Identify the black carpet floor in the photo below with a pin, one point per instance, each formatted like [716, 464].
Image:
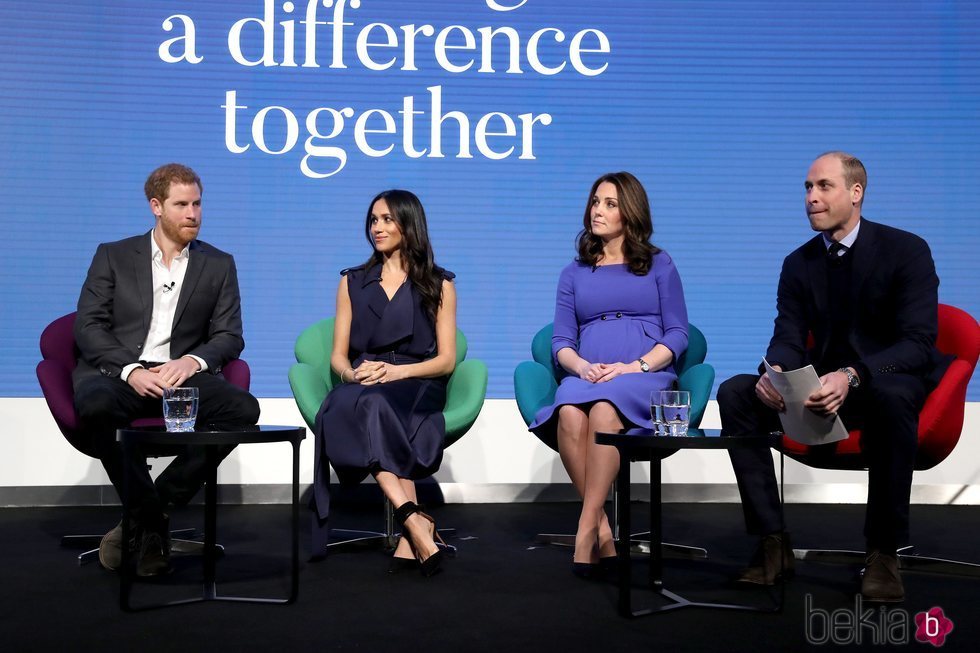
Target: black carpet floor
[501, 593]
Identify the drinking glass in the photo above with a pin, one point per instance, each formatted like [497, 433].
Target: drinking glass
[657, 414]
[674, 412]
[180, 408]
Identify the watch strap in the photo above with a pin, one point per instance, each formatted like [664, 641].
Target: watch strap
[852, 379]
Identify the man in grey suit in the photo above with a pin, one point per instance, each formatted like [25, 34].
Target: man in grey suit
[158, 310]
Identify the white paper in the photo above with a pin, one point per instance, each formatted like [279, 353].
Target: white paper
[799, 422]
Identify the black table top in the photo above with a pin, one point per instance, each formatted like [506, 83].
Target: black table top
[245, 435]
[695, 439]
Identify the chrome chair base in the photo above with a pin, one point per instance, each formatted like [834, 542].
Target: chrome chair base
[344, 539]
[637, 545]
[91, 544]
[908, 560]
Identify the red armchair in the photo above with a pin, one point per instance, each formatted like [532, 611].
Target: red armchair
[59, 356]
[940, 425]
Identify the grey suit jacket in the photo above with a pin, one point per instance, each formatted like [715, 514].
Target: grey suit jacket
[116, 304]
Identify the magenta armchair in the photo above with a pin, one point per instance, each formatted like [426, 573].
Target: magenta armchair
[58, 358]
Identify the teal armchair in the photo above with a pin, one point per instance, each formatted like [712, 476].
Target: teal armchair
[311, 379]
[536, 381]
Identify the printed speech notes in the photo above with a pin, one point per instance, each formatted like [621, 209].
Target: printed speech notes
[799, 422]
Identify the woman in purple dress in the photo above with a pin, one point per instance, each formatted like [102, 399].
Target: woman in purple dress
[620, 323]
[394, 347]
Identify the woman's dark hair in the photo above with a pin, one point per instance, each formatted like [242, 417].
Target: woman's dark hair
[634, 209]
[407, 212]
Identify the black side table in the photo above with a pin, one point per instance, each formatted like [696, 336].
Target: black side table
[644, 444]
[130, 437]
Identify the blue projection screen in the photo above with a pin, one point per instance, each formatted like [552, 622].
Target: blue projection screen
[499, 114]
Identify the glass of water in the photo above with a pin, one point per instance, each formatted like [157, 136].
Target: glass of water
[657, 413]
[180, 409]
[674, 412]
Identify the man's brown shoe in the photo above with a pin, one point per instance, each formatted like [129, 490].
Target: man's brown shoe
[154, 553]
[110, 548]
[772, 561]
[882, 583]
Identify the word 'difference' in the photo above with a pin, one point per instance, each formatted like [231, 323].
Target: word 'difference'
[269, 41]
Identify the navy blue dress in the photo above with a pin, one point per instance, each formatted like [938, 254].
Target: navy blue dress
[396, 427]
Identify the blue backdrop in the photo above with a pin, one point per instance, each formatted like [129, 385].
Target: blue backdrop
[718, 107]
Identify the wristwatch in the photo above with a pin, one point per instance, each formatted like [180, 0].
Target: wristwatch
[643, 365]
[852, 379]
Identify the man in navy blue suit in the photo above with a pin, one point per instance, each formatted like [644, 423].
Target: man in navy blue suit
[868, 295]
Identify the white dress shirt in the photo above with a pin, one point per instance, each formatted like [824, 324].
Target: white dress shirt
[847, 241]
[167, 283]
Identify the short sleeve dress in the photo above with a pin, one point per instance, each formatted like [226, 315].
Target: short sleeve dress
[608, 314]
[398, 426]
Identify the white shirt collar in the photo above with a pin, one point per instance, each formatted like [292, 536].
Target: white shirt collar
[847, 241]
[156, 254]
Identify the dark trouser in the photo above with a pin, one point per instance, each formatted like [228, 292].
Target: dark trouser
[886, 409]
[105, 404]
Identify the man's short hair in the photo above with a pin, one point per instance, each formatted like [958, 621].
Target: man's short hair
[854, 172]
[158, 183]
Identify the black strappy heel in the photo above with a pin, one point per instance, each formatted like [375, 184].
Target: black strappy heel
[430, 565]
[398, 565]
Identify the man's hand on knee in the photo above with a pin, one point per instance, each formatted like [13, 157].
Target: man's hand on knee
[173, 373]
[146, 383]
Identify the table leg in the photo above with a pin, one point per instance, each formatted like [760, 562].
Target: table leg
[210, 524]
[294, 593]
[656, 527]
[782, 512]
[125, 563]
[623, 543]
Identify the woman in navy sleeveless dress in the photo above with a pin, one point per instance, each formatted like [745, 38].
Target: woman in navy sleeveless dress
[394, 348]
[620, 323]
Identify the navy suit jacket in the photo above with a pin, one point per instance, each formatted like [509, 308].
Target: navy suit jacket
[116, 304]
[894, 302]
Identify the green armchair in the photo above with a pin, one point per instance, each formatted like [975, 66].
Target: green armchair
[535, 384]
[311, 379]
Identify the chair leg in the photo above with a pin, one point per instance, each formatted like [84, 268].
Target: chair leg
[555, 539]
[926, 564]
[91, 544]
[637, 542]
[907, 560]
[88, 542]
[637, 545]
[640, 543]
[346, 539]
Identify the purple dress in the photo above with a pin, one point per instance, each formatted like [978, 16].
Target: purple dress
[609, 315]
